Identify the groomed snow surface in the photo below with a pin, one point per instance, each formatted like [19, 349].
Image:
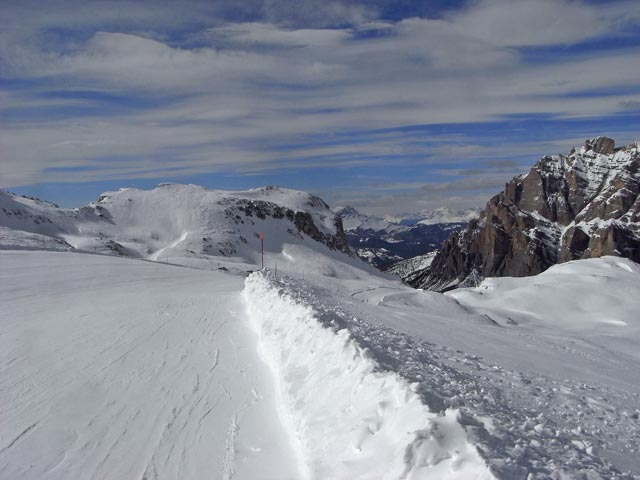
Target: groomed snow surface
[116, 368]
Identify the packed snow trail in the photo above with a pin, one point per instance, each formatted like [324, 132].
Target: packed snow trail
[113, 368]
[352, 420]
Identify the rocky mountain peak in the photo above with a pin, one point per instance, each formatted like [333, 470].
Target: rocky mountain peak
[603, 145]
[582, 205]
[347, 210]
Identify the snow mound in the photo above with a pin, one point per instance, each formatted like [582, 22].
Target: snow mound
[562, 299]
[350, 418]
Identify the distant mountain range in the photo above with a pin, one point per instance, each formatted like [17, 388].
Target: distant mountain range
[436, 216]
[385, 241]
[582, 205]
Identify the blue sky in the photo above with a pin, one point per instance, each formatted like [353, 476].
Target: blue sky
[391, 106]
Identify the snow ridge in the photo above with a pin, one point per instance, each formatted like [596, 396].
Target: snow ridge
[349, 418]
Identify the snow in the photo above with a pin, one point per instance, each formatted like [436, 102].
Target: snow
[115, 368]
[353, 220]
[435, 216]
[608, 319]
[362, 423]
[535, 401]
[405, 268]
[11, 239]
[447, 215]
[181, 224]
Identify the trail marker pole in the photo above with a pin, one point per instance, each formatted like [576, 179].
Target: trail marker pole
[262, 249]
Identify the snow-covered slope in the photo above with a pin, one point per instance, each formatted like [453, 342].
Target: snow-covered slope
[406, 268]
[352, 219]
[112, 368]
[12, 239]
[183, 224]
[538, 402]
[121, 368]
[591, 298]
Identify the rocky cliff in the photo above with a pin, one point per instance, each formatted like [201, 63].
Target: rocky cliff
[582, 205]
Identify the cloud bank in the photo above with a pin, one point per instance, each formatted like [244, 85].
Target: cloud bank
[131, 90]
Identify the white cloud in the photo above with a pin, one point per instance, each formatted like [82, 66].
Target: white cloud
[250, 86]
[519, 23]
[265, 34]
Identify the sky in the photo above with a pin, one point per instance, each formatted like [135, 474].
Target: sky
[388, 105]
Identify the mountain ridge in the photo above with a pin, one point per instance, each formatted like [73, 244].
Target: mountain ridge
[174, 221]
[382, 243]
[582, 205]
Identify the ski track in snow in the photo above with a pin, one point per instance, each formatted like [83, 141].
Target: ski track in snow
[155, 377]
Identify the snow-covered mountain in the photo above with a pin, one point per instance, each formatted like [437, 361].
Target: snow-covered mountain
[182, 224]
[582, 205]
[406, 268]
[383, 243]
[437, 215]
[352, 219]
[114, 366]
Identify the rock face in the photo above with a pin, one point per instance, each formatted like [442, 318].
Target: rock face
[582, 205]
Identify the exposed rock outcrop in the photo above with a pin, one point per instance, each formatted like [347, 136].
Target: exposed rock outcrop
[582, 205]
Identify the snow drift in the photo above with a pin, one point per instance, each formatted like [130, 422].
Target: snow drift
[349, 418]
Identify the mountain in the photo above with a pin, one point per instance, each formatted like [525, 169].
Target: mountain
[437, 215]
[318, 366]
[406, 269]
[567, 207]
[381, 242]
[352, 219]
[178, 223]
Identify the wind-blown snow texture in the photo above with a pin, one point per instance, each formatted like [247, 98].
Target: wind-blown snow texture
[120, 369]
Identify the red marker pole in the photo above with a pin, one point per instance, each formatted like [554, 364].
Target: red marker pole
[262, 248]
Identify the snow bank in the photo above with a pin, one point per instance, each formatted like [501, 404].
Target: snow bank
[596, 298]
[348, 418]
